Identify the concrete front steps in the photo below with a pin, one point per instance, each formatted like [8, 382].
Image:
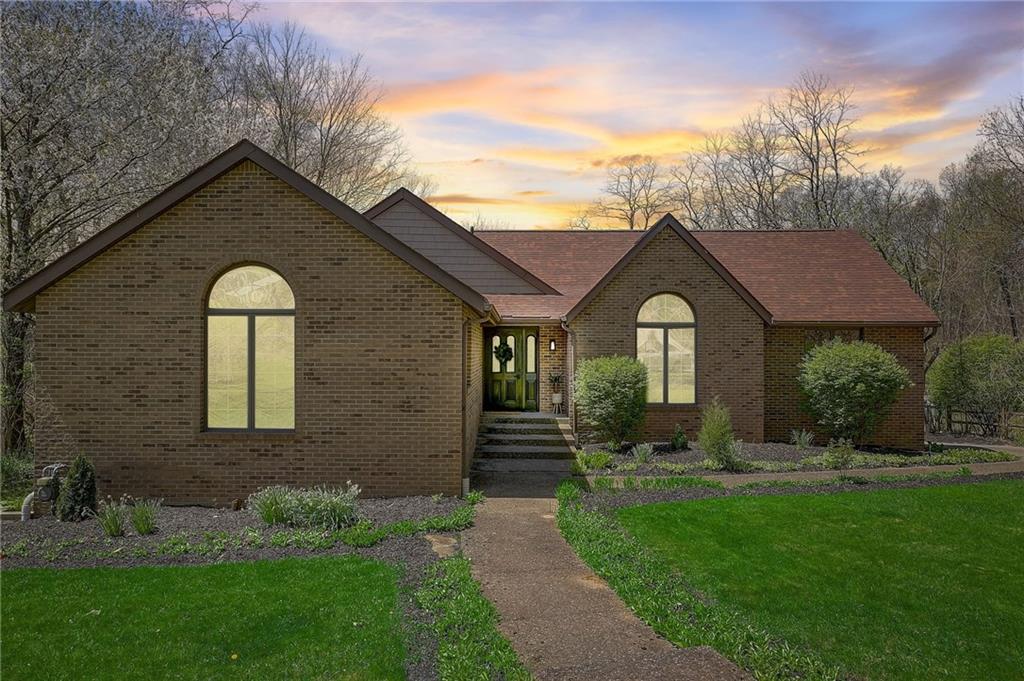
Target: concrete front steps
[523, 441]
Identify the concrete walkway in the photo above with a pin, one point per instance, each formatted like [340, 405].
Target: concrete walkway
[563, 620]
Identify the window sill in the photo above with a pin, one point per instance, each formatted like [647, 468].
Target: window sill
[670, 405]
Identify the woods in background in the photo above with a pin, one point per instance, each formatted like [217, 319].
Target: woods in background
[106, 103]
[795, 164]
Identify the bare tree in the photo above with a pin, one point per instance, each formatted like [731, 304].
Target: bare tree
[1003, 133]
[581, 219]
[788, 165]
[103, 104]
[636, 192]
[816, 121]
[320, 116]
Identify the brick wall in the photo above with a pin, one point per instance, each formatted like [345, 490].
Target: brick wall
[785, 347]
[474, 388]
[551, 361]
[730, 335]
[379, 376]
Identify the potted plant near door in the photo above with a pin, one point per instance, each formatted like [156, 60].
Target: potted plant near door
[555, 379]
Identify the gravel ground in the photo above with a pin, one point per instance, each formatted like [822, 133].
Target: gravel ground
[607, 502]
[49, 543]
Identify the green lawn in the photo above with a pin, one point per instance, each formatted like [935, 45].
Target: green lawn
[287, 619]
[923, 583]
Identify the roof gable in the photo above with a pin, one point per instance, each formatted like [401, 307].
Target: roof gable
[669, 222]
[21, 296]
[452, 247]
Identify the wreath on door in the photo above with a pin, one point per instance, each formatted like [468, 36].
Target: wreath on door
[503, 352]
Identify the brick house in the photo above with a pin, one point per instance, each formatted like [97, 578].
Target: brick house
[245, 328]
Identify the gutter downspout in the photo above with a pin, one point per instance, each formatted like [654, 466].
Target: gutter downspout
[465, 362]
[570, 370]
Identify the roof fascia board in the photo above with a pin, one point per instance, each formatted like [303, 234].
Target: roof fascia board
[403, 194]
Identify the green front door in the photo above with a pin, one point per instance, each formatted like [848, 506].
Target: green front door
[510, 368]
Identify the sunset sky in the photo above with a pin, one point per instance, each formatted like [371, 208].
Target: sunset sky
[514, 108]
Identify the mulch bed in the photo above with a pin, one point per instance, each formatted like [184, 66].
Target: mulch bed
[610, 501]
[778, 452]
[50, 543]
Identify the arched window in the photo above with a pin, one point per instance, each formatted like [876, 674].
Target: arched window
[250, 351]
[666, 343]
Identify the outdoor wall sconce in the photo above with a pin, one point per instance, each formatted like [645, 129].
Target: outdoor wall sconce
[551, 346]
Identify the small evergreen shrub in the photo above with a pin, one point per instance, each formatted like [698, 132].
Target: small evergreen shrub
[642, 453]
[850, 387]
[111, 516]
[715, 435]
[77, 499]
[802, 439]
[611, 397]
[679, 439]
[143, 515]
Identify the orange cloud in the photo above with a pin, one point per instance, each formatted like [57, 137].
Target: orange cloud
[465, 199]
[545, 98]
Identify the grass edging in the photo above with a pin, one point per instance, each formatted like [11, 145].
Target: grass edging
[656, 593]
[465, 624]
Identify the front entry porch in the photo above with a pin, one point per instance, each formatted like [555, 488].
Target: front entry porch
[523, 441]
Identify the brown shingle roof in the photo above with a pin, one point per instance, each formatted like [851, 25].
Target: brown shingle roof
[814, 277]
[571, 261]
[818, 276]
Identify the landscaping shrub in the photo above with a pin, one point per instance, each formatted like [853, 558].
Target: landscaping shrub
[983, 375]
[839, 454]
[272, 504]
[715, 436]
[111, 516]
[15, 470]
[591, 461]
[143, 515]
[850, 387]
[611, 397]
[679, 439]
[77, 499]
[321, 507]
[330, 509]
[802, 439]
[642, 453]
